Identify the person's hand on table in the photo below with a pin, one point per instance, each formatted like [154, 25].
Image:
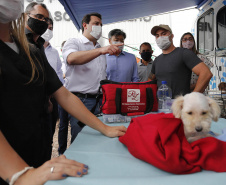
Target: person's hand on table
[54, 169]
[115, 131]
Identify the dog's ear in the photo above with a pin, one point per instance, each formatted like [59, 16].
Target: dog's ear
[177, 106]
[214, 108]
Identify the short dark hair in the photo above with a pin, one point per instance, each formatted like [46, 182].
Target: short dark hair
[116, 32]
[30, 7]
[146, 43]
[87, 18]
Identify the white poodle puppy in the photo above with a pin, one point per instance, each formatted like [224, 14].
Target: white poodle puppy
[196, 112]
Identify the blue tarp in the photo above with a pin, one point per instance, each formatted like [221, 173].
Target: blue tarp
[120, 10]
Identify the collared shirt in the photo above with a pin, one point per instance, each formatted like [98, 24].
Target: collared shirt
[144, 71]
[83, 78]
[122, 68]
[39, 43]
[54, 60]
[29, 100]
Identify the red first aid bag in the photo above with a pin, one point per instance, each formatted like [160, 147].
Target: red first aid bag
[129, 98]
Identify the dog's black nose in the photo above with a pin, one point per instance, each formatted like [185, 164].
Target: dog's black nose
[198, 129]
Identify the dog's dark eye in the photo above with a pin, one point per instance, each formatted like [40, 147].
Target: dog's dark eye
[203, 113]
[190, 113]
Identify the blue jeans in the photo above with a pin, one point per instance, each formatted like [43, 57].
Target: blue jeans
[75, 128]
[63, 130]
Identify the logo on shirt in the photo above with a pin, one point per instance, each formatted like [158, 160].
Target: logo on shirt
[133, 95]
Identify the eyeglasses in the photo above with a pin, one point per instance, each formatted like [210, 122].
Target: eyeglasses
[185, 39]
[40, 17]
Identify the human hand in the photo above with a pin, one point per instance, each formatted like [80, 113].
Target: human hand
[115, 131]
[61, 168]
[111, 49]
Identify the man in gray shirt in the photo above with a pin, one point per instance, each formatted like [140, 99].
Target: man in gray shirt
[175, 65]
[145, 64]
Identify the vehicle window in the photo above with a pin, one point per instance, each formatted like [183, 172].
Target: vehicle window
[221, 28]
[205, 32]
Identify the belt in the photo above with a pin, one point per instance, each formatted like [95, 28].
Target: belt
[81, 95]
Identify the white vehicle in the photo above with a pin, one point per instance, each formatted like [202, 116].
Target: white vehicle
[210, 33]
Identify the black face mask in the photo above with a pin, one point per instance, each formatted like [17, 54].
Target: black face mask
[146, 56]
[37, 26]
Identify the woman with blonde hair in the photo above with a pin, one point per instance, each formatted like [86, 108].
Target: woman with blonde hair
[25, 81]
[187, 41]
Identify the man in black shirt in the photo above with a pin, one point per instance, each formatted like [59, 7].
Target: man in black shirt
[175, 65]
[37, 16]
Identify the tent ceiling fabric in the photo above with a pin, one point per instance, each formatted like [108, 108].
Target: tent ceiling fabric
[120, 10]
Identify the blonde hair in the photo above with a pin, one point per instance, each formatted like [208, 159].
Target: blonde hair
[18, 33]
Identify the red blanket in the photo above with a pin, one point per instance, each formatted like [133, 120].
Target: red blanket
[159, 140]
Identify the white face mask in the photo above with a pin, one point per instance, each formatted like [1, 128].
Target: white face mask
[48, 35]
[188, 44]
[117, 42]
[163, 42]
[10, 10]
[96, 32]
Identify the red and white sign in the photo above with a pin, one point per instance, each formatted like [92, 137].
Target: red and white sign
[133, 95]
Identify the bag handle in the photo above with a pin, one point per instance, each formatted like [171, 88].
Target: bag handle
[118, 100]
[149, 100]
[104, 82]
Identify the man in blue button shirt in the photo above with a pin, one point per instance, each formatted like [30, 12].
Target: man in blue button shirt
[121, 68]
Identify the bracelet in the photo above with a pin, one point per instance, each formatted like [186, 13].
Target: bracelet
[18, 174]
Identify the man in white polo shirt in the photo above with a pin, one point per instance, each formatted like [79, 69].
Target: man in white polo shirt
[86, 64]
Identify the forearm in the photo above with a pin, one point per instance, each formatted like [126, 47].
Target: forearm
[83, 57]
[77, 109]
[202, 82]
[151, 77]
[192, 87]
[10, 161]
